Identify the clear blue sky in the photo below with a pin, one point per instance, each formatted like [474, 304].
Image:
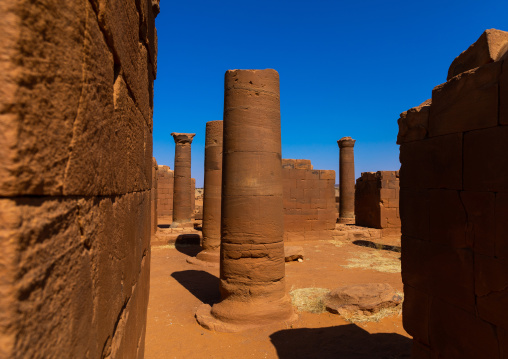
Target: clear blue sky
[347, 68]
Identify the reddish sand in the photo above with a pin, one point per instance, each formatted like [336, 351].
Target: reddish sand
[177, 288]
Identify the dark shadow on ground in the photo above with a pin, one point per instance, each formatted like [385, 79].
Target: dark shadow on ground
[374, 245]
[164, 225]
[201, 284]
[188, 244]
[341, 342]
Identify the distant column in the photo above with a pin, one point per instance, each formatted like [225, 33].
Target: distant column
[212, 195]
[347, 180]
[182, 196]
[252, 275]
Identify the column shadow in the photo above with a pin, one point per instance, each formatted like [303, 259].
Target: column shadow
[188, 244]
[374, 245]
[203, 285]
[340, 342]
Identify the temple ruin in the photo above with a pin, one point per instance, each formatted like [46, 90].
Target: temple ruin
[347, 180]
[453, 182]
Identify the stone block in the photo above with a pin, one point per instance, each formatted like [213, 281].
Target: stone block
[466, 102]
[485, 165]
[452, 275]
[327, 175]
[420, 351]
[416, 311]
[456, 333]
[47, 280]
[432, 163]
[490, 47]
[448, 219]
[481, 220]
[416, 263]
[415, 213]
[414, 123]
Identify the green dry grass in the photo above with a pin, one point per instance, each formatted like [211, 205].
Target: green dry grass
[381, 261]
[309, 299]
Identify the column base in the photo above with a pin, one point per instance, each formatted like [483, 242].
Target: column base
[182, 225]
[232, 316]
[206, 259]
[346, 220]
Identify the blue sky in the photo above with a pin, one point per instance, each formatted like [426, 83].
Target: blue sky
[347, 68]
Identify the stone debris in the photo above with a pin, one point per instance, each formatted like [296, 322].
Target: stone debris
[362, 299]
[293, 253]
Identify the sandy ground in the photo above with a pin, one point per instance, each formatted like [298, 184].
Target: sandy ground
[177, 288]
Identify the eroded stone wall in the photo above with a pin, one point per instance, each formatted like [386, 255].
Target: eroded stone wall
[165, 184]
[377, 201]
[454, 205]
[309, 201]
[76, 89]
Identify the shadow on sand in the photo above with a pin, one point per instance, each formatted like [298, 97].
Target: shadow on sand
[203, 285]
[374, 245]
[341, 342]
[188, 244]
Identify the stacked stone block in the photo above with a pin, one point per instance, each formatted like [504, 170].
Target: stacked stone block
[454, 207]
[165, 183]
[309, 201]
[377, 201]
[76, 81]
[154, 217]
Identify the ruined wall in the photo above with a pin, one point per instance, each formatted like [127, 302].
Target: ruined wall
[454, 207]
[76, 80]
[155, 169]
[309, 201]
[165, 184]
[377, 201]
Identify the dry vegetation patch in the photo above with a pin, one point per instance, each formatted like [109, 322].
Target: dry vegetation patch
[309, 299]
[382, 261]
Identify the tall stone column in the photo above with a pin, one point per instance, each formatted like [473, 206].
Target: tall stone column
[210, 255]
[182, 196]
[347, 180]
[252, 273]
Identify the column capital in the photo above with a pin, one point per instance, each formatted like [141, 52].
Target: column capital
[183, 137]
[346, 142]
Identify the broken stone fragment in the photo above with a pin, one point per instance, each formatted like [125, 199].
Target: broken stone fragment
[366, 298]
[293, 253]
[490, 47]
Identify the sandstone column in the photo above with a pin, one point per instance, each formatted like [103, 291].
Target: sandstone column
[210, 254]
[182, 196]
[347, 180]
[252, 275]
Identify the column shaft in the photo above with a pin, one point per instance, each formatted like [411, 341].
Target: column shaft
[347, 180]
[182, 196]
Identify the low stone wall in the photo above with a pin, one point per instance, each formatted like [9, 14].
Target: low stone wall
[309, 201]
[165, 184]
[377, 201]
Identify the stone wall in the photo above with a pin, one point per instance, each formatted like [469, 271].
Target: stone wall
[165, 183]
[454, 208]
[377, 201]
[309, 201]
[76, 89]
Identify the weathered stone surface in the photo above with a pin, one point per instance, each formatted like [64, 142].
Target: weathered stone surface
[76, 179]
[369, 298]
[377, 200]
[252, 282]
[466, 102]
[165, 185]
[308, 198]
[293, 253]
[414, 123]
[454, 204]
[490, 47]
[183, 196]
[347, 180]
